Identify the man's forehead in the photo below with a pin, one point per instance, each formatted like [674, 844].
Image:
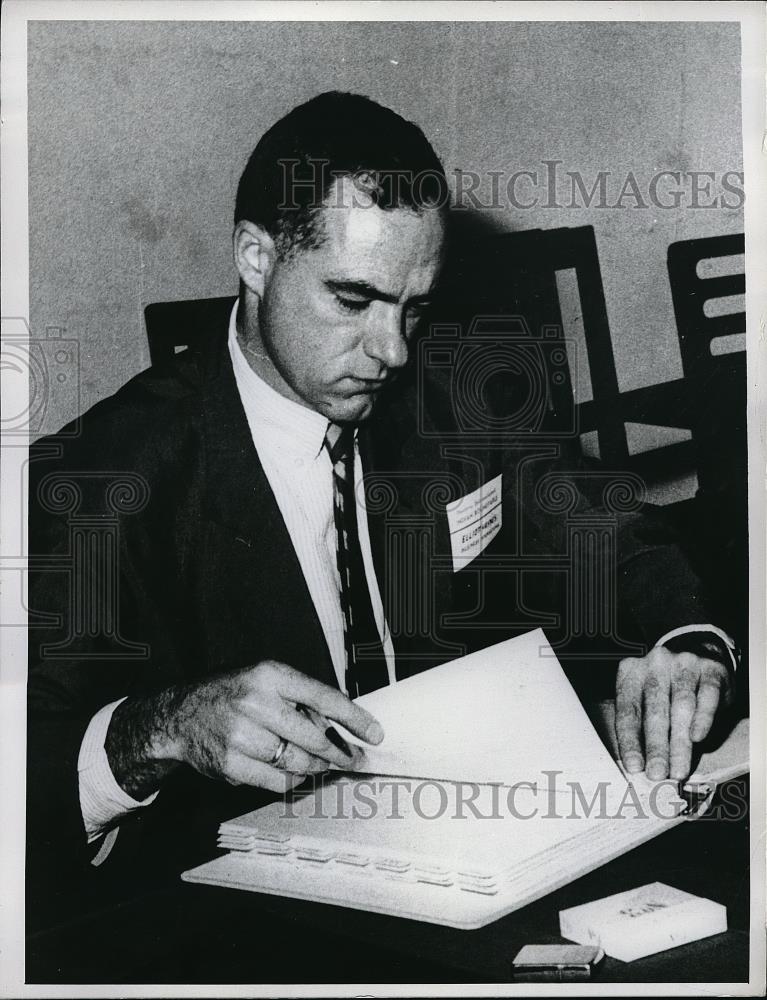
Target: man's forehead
[394, 243]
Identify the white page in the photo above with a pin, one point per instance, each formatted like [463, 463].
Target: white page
[506, 714]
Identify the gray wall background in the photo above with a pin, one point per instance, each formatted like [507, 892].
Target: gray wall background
[138, 133]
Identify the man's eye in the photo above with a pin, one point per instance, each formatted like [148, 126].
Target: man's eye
[415, 315]
[353, 305]
[418, 309]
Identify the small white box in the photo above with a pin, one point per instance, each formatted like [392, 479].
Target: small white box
[643, 921]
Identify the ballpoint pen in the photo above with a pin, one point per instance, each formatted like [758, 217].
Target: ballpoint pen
[330, 731]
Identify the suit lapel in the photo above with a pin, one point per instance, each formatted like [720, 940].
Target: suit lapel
[261, 574]
[407, 484]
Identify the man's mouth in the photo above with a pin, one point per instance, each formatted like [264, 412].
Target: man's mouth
[368, 384]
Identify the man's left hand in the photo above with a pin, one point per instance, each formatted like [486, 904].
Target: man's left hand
[670, 699]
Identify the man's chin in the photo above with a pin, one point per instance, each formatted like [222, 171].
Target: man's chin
[351, 410]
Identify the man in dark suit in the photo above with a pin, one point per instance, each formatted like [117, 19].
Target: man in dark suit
[213, 589]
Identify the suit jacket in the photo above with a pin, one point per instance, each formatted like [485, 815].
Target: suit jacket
[159, 556]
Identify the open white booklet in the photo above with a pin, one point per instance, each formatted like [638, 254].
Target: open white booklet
[490, 790]
[506, 714]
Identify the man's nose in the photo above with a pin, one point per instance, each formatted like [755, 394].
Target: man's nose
[386, 341]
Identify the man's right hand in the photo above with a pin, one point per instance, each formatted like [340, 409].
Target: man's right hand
[231, 727]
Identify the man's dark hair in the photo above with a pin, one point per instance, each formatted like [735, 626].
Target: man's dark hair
[291, 170]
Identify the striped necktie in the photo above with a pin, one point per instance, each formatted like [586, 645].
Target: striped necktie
[365, 660]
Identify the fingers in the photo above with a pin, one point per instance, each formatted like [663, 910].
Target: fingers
[261, 746]
[305, 752]
[297, 761]
[712, 679]
[656, 723]
[671, 700]
[302, 731]
[628, 715]
[300, 689]
[312, 737]
[275, 706]
[683, 702]
[243, 770]
[259, 741]
[259, 738]
[235, 725]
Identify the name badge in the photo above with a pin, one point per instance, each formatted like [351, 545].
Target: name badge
[474, 521]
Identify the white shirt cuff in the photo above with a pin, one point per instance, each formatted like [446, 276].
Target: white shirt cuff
[703, 628]
[102, 801]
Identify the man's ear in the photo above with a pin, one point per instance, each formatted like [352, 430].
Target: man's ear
[254, 255]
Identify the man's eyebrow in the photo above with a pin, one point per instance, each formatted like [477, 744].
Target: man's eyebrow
[365, 290]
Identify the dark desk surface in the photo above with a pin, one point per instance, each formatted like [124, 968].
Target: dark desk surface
[186, 933]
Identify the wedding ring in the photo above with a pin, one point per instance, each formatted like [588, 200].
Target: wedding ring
[278, 753]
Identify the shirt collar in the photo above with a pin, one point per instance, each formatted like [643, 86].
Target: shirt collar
[272, 417]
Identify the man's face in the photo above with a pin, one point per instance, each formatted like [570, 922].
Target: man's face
[335, 320]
